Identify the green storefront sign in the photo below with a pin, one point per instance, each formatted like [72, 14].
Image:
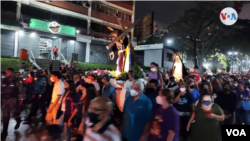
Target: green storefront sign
[52, 27]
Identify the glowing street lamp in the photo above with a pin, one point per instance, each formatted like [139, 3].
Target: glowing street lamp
[169, 41]
[229, 53]
[235, 53]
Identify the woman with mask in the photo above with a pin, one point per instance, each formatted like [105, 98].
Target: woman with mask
[155, 74]
[195, 93]
[207, 116]
[183, 103]
[227, 100]
[88, 93]
[69, 100]
[165, 123]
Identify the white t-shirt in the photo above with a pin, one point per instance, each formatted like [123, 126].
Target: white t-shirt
[58, 90]
[97, 86]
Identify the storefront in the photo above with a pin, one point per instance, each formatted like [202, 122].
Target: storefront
[40, 37]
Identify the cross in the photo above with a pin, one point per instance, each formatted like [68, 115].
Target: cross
[125, 31]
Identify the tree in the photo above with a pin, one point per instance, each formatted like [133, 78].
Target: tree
[198, 29]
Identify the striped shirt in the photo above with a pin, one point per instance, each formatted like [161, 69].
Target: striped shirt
[110, 134]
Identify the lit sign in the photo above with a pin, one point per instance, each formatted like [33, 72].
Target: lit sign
[53, 27]
[147, 47]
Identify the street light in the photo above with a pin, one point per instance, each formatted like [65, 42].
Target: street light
[235, 53]
[243, 60]
[169, 41]
[77, 31]
[229, 53]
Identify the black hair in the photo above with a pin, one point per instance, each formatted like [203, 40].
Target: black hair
[154, 81]
[72, 86]
[32, 74]
[54, 131]
[46, 71]
[34, 67]
[196, 67]
[106, 77]
[90, 94]
[190, 82]
[172, 78]
[92, 75]
[10, 69]
[57, 74]
[131, 73]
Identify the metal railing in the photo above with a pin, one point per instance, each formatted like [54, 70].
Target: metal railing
[34, 61]
[65, 61]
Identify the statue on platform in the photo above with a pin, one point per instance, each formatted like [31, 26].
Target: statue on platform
[122, 47]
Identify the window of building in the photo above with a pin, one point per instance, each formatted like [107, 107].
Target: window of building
[111, 12]
[102, 8]
[169, 57]
[106, 10]
[93, 6]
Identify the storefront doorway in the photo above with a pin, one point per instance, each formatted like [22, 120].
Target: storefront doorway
[46, 46]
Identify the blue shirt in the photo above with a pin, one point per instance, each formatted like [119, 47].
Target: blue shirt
[137, 114]
[195, 95]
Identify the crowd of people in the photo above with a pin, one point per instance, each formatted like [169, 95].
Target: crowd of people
[158, 109]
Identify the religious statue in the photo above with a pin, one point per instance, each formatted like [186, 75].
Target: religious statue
[122, 47]
[177, 70]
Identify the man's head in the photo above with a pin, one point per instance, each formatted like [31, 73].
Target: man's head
[54, 46]
[75, 77]
[131, 75]
[55, 76]
[34, 69]
[223, 70]
[196, 68]
[172, 79]
[105, 79]
[136, 88]
[91, 77]
[153, 83]
[100, 109]
[9, 72]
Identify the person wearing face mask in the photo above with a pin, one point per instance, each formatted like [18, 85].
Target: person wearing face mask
[217, 86]
[76, 79]
[172, 84]
[91, 79]
[88, 93]
[137, 109]
[57, 94]
[227, 100]
[194, 92]
[165, 123]
[235, 85]
[155, 74]
[29, 84]
[99, 127]
[151, 91]
[207, 116]
[69, 100]
[183, 103]
[243, 107]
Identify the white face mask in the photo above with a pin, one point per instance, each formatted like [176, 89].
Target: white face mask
[208, 80]
[182, 89]
[235, 85]
[153, 69]
[247, 89]
[52, 79]
[159, 100]
[133, 93]
[3, 76]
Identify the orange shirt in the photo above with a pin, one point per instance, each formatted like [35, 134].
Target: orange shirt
[55, 50]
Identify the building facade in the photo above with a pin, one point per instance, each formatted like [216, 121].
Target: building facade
[73, 26]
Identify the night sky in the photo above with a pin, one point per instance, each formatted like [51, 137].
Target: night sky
[167, 12]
